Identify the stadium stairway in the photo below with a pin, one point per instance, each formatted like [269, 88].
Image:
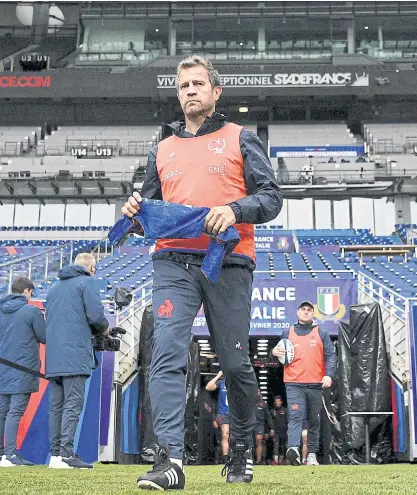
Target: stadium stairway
[402, 229]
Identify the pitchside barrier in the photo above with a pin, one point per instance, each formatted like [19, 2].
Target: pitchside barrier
[399, 315]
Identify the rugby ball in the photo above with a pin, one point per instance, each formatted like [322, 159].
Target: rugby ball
[288, 347]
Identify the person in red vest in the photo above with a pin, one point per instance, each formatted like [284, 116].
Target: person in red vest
[209, 162]
[305, 378]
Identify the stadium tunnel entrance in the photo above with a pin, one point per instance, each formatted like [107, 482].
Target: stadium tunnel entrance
[269, 373]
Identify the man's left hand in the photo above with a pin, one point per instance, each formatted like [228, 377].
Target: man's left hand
[326, 382]
[219, 219]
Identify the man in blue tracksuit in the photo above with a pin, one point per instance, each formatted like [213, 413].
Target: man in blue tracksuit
[22, 329]
[218, 382]
[74, 313]
[207, 162]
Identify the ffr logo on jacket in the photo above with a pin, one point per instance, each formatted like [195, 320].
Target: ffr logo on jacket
[217, 145]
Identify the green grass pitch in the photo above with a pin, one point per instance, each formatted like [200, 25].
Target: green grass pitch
[206, 480]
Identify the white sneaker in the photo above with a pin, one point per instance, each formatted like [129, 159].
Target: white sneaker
[4, 462]
[312, 460]
[56, 462]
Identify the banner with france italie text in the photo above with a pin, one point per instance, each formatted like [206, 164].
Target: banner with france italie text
[275, 241]
[275, 303]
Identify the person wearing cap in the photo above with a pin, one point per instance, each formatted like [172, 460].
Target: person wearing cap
[305, 378]
[279, 417]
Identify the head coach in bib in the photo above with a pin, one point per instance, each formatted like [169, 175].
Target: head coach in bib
[206, 162]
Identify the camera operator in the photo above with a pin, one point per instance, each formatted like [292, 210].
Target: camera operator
[74, 313]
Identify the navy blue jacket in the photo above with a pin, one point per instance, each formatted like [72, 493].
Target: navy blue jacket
[263, 415]
[22, 328]
[74, 313]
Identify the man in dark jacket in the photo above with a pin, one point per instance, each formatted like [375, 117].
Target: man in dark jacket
[305, 378]
[263, 418]
[279, 417]
[222, 418]
[217, 164]
[22, 329]
[74, 313]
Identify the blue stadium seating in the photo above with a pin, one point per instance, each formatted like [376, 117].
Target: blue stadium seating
[56, 228]
[299, 265]
[86, 244]
[138, 241]
[28, 248]
[132, 268]
[340, 237]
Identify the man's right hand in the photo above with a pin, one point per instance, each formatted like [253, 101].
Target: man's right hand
[278, 351]
[132, 205]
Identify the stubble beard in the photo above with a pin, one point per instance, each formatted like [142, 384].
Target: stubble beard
[198, 111]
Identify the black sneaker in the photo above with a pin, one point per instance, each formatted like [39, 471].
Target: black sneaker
[293, 455]
[75, 462]
[239, 468]
[165, 475]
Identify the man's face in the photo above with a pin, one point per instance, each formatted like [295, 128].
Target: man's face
[28, 294]
[305, 314]
[278, 402]
[92, 269]
[195, 92]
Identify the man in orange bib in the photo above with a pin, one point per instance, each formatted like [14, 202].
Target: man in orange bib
[210, 162]
[305, 378]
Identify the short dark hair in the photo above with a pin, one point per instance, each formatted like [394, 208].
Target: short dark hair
[21, 284]
[195, 61]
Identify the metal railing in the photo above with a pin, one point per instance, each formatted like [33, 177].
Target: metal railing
[129, 148]
[91, 144]
[310, 272]
[114, 57]
[102, 251]
[389, 146]
[395, 310]
[27, 32]
[83, 173]
[130, 318]
[334, 176]
[14, 267]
